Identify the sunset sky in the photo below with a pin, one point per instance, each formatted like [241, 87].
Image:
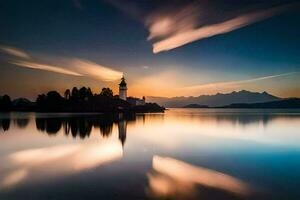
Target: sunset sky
[163, 47]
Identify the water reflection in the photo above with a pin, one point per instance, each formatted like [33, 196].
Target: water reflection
[4, 124]
[63, 159]
[235, 116]
[175, 178]
[73, 155]
[81, 126]
[21, 122]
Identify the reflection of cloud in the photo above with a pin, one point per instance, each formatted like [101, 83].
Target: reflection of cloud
[15, 52]
[187, 176]
[95, 155]
[63, 159]
[34, 157]
[14, 178]
[185, 31]
[45, 67]
[164, 186]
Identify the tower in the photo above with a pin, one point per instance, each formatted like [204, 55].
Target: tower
[123, 89]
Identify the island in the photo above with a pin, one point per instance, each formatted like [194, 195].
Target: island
[82, 100]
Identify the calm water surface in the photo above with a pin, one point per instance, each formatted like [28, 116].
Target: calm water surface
[181, 154]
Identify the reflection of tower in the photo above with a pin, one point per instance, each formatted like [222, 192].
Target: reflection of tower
[122, 126]
[123, 89]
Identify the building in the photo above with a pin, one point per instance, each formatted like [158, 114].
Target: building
[123, 95]
[136, 101]
[123, 89]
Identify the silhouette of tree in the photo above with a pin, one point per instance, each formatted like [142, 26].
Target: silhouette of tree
[89, 93]
[83, 94]
[67, 94]
[106, 92]
[54, 97]
[75, 94]
[5, 103]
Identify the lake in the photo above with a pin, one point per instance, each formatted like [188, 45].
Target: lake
[180, 154]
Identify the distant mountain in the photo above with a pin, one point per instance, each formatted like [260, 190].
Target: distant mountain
[286, 103]
[195, 106]
[215, 100]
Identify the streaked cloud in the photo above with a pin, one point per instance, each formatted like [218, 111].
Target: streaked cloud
[45, 67]
[172, 24]
[15, 52]
[100, 72]
[235, 83]
[173, 31]
[67, 66]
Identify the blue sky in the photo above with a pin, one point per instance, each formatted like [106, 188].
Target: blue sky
[92, 43]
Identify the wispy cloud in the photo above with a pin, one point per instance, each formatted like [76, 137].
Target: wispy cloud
[172, 24]
[100, 72]
[235, 83]
[45, 67]
[183, 28]
[68, 66]
[15, 52]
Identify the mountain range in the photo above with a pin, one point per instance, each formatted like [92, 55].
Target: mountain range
[216, 100]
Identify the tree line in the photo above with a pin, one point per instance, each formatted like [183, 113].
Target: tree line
[76, 100]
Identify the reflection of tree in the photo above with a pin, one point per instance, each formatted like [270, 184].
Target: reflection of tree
[122, 127]
[246, 119]
[4, 124]
[22, 123]
[85, 128]
[81, 126]
[50, 125]
[105, 124]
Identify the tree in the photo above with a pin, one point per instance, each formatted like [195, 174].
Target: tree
[83, 93]
[5, 103]
[40, 100]
[75, 93]
[89, 92]
[67, 94]
[54, 102]
[106, 92]
[53, 96]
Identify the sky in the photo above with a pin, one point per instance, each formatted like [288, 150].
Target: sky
[162, 47]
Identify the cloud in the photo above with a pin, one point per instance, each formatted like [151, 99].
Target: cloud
[164, 23]
[15, 52]
[96, 71]
[181, 29]
[45, 67]
[76, 67]
[235, 83]
[67, 66]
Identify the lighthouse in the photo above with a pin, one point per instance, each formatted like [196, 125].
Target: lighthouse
[123, 89]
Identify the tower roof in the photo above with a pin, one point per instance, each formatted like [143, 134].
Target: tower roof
[123, 83]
